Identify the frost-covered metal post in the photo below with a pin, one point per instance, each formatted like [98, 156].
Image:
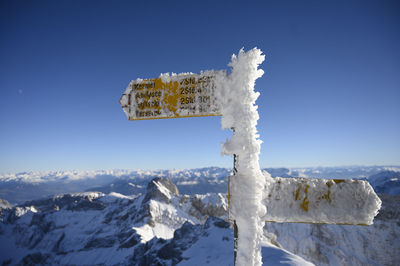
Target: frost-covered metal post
[254, 196]
[237, 97]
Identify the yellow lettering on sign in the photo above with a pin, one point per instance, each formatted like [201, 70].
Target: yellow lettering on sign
[170, 94]
[186, 96]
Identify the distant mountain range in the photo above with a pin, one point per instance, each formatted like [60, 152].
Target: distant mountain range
[21, 187]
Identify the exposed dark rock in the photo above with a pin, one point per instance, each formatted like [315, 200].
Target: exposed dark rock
[123, 236]
[184, 199]
[128, 239]
[123, 217]
[35, 232]
[166, 182]
[201, 210]
[158, 189]
[153, 190]
[4, 204]
[104, 242]
[151, 222]
[217, 222]
[169, 252]
[6, 262]
[186, 231]
[109, 216]
[57, 245]
[389, 210]
[35, 259]
[80, 202]
[133, 241]
[39, 221]
[143, 213]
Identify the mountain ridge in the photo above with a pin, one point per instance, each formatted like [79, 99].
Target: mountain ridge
[18, 189]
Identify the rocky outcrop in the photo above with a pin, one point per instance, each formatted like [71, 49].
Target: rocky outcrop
[36, 258]
[390, 210]
[202, 210]
[72, 202]
[169, 252]
[4, 205]
[160, 189]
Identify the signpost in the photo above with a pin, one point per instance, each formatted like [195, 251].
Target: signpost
[190, 95]
[287, 199]
[319, 201]
[323, 201]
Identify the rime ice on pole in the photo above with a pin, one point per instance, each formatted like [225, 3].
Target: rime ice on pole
[239, 112]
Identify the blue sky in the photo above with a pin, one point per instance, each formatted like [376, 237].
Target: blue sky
[329, 96]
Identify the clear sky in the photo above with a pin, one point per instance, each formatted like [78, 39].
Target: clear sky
[329, 96]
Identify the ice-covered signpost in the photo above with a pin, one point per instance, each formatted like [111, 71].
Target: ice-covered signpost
[254, 196]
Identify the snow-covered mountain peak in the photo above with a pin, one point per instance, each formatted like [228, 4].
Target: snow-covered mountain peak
[162, 189]
[163, 209]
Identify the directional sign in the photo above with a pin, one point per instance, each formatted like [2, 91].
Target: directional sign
[324, 201]
[335, 201]
[187, 95]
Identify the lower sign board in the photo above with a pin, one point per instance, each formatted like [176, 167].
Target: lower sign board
[320, 201]
[183, 95]
[327, 201]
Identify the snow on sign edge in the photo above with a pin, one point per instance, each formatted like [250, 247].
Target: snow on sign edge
[172, 96]
[305, 200]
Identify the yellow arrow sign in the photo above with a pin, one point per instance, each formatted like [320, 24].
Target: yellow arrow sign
[184, 95]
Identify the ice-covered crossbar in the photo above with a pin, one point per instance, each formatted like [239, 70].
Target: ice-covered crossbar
[334, 201]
